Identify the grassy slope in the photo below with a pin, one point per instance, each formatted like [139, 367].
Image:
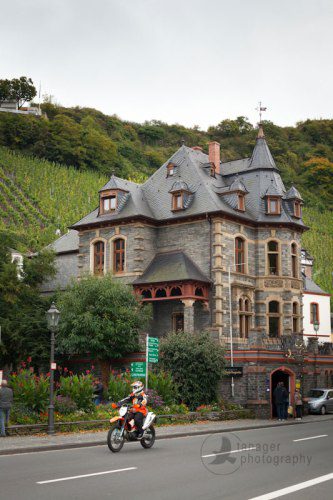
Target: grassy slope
[48, 196]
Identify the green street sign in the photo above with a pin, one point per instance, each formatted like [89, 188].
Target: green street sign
[153, 343]
[138, 369]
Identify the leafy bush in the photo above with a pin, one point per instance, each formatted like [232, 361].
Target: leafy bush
[119, 386]
[79, 388]
[64, 405]
[163, 384]
[196, 363]
[30, 391]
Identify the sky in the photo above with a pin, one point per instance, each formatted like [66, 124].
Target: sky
[193, 62]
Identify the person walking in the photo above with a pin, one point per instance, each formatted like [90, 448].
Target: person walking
[6, 401]
[98, 391]
[298, 404]
[285, 401]
[279, 395]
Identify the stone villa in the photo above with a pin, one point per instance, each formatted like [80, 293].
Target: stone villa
[194, 230]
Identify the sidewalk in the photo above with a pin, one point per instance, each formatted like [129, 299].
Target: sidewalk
[26, 444]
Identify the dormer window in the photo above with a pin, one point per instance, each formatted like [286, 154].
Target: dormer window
[297, 209]
[109, 203]
[170, 169]
[177, 201]
[241, 202]
[273, 205]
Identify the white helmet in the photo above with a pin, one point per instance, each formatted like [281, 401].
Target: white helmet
[137, 387]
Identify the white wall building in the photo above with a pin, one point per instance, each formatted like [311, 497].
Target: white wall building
[316, 304]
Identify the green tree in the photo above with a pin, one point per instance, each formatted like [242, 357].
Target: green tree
[22, 309]
[4, 90]
[196, 363]
[22, 90]
[102, 318]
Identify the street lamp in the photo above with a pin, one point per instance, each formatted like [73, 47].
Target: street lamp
[230, 326]
[53, 316]
[316, 326]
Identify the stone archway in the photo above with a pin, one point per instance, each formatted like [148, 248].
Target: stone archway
[287, 376]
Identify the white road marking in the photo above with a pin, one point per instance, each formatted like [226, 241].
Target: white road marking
[85, 475]
[296, 487]
[227, 452]
[311, 437]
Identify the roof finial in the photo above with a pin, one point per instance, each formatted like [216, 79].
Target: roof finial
[260, 108]
[183, 142]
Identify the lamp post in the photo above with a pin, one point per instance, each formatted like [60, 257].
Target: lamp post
[230, 326]
[316, 326]
[53, 316]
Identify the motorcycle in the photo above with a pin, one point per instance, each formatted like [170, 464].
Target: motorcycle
[123, 428]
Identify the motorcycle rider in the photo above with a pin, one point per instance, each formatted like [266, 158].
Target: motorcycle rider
[139, 399]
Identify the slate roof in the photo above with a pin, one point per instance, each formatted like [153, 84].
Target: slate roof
[68, 242]
[293, 194]
[171, 266]
[311, 286]
[258, 175]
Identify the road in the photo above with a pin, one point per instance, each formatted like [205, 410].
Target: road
[252, 464]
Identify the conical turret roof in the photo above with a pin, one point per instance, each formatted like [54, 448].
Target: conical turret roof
[261, 156]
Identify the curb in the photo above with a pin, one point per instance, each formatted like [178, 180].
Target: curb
[90, 444]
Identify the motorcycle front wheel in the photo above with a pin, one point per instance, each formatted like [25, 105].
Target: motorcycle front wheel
[114, 440]
[148, 438]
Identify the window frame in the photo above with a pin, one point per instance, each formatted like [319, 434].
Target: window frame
[244, 317]
[240, 267]
[118, 252]
[278, 205]
[277, 256]
[241, 202]
[297, 209]
[295, 317]
[294, 255]
[174, 321]
[312, 319]
[170, 169]
[108, 195]
[274, 315]
[101, 267]
[175, 197]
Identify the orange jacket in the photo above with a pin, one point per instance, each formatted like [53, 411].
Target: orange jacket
[140, 401]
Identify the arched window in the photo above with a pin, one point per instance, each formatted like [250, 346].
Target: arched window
[118, 255]
[160, 293]
[240, 255]
[314, 312]
[175, 291]
[274, 319]
[146, 294]
[99, 254]
[273, 257]
[297, 209]
[294, 272]
[295, 317]
[244, 311]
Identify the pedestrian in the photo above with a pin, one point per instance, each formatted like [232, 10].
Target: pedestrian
[6, 401]
[98, 391]
[286, 402]
[278, 396]
[298, 404]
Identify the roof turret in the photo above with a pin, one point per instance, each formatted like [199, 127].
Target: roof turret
[261, 156]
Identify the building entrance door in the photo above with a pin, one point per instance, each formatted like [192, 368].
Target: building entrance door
[276, 377]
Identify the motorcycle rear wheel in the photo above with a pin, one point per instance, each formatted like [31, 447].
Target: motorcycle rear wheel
[148, 438]
[114, 444]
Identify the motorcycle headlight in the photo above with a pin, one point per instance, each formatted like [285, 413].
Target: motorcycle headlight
[122, 411]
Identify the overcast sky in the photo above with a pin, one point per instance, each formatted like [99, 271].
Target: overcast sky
[194, 62]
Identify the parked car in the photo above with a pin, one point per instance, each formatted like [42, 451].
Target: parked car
[320, 401]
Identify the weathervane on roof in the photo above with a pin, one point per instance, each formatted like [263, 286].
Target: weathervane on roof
[260, 108]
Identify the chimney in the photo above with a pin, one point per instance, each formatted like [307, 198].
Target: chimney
[214, 155]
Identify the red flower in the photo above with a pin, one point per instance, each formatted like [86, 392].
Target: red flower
[48, 374]
[29, 359]
[92, 367]
[87, 372]
[65, 370]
